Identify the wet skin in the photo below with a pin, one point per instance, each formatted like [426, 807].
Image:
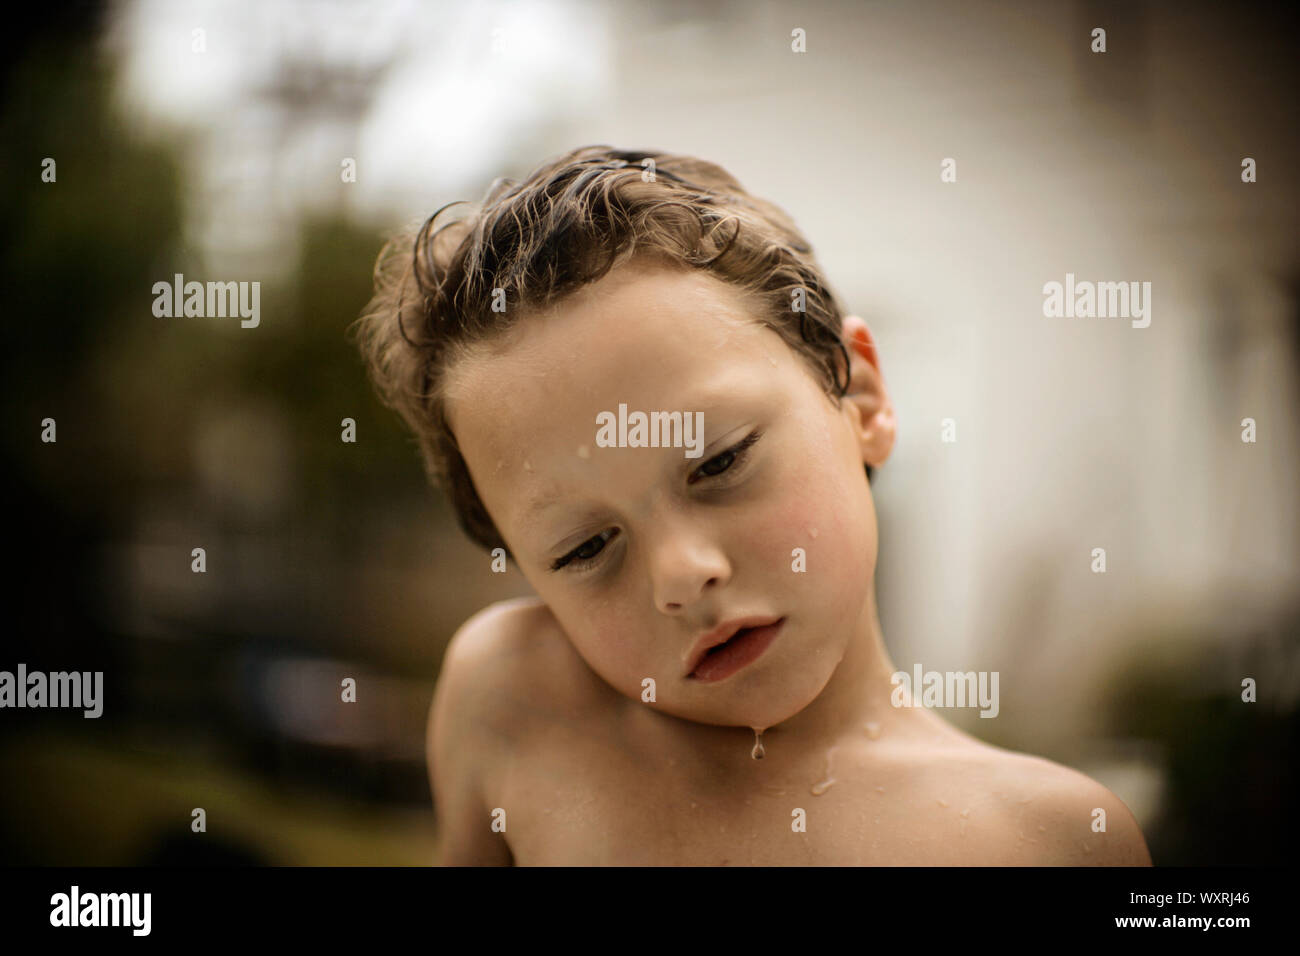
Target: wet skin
[539, 710]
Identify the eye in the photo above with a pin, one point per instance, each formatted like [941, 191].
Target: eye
[588, 553]
[736, 453]
[582, 556]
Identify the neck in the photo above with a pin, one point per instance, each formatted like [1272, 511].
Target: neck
[856, 695]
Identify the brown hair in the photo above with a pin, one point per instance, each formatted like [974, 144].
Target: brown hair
[571, 221]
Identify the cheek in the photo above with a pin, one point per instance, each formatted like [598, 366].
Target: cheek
[789, 522]
[823, 513]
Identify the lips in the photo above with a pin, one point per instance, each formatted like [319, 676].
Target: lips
[731, 646]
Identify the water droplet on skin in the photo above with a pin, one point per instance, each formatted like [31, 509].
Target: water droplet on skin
[813, 532]
[694, 804]
[758, 751]
[584, 451]
[873, 730]
[819, 788]
[942, 803]
[966, 812]
[1042, 829]
[880, 789]
[528, 465]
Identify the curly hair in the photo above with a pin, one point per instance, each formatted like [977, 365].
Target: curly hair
[569, 223]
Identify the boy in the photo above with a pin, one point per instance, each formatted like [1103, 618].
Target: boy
[706, 595]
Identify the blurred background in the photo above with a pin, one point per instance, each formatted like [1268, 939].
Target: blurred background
[208, 139]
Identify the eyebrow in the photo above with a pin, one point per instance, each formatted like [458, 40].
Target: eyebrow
[538, 504]
[546, 500]
[711, 399]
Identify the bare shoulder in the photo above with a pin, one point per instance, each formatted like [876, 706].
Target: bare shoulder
[517, 658]
[496, 662]
[1052, 815]
[509, 671]
[1013, 808]
[1086, 824]
[487, 646]
[473, 713]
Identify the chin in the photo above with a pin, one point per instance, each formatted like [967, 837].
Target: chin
[771, 714]
[763, 713]
[767, 702]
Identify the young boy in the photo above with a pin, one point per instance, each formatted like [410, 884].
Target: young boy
[702, 678]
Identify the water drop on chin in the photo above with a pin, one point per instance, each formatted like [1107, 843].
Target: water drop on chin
[758, 751]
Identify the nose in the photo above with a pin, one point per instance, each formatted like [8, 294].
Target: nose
[685, 564]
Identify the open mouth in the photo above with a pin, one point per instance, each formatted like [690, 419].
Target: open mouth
[741, 650]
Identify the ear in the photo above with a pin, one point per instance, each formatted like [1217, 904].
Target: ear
[873, 413]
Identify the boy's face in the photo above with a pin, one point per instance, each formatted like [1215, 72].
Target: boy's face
[674, 546]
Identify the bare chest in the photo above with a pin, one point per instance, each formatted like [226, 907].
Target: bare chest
[592, 803]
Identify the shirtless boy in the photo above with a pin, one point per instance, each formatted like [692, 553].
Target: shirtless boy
[600, 722]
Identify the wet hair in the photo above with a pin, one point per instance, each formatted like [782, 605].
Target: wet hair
[527, 245]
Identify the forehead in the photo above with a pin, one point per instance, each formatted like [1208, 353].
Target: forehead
[641, 334]
[524, 406]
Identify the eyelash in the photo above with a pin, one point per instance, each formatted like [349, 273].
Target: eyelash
[739, 453]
